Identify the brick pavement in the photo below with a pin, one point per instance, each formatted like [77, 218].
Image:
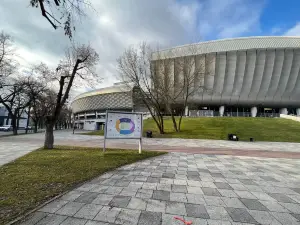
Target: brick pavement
[204, 189]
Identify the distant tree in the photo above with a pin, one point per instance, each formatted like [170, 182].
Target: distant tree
[136, 70]
[62, 13]
[8, 64]
[79, 63]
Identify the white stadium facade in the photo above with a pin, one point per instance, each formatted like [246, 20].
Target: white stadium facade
[253, 76]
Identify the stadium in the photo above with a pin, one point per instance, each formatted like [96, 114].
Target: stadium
[253, 76]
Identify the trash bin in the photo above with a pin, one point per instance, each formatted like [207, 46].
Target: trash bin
[149, 134]
[251, 139]
[233, 137]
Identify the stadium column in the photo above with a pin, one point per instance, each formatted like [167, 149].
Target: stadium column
[186, 111]
[221, 110]
[283, 111]
[253, 111]
[298, 111]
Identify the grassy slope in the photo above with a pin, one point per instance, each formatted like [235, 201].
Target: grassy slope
[43, 174]
[262, 129]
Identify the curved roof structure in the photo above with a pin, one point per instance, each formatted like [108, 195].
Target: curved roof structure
[232, 44]
[242, 71]
[107, 90]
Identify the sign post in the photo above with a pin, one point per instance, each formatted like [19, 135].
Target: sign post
[123, 125]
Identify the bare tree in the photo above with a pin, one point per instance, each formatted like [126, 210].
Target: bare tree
[62, 13]
[8, 63]
[137, 71]
[78, 62]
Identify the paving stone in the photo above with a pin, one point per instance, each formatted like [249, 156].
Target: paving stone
[93, 222]
[263, 217]
[100, 189]
[178, 197]
[128, 192]
[240, 215]
[176, 208]
[192, 173]
[151, 186]
[103, 199]
[296, 190]
[163, 187]
[180, 182]
[140, 178]
[135, 185]
[108, 214]
[86, 187]
[294, 208]
[71, 196]
[282, 198]
[166, 181]
[179, 188]
[128, 217]
[74, 221]
[217, 213]
[245, 194]
[239, 187]
[254, 188]
[221, 185]
[153, 180]
[89, 211]
[208, 184]
[156, 205]
[228, 193]
[218, 222]
[213, 200]
[262, 196]
[168, 175]
[210, 191]
[268, 178]
[113, 190]
[150, 218]
[194, 190]
[70, 208]
[34, 218]
[87, 197]
[247, 181]
[195, 221]
[217, 175]
[52, 219]
[273, 206]
[194, 183]
[119, 201]
[122, 183]
[195, 199]
[161, 195]
[52, 207]
[253, 204]
[195, 178]
[233, 202]
[198, 211]
[137, 203]
[168, 219]
[144, 193]
[285, 218]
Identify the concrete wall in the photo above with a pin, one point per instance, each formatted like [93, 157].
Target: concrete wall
[295, 118]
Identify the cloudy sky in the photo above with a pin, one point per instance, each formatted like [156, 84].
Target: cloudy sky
[116, 24]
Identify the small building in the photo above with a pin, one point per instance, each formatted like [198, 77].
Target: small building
[5, 119]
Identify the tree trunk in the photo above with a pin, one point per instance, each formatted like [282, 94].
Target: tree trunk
[14, 125]
[180, 120]
[49, 137]
[35, 126]
[28, 118]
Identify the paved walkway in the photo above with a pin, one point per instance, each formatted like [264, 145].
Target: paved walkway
[13, 147]
[214, 190]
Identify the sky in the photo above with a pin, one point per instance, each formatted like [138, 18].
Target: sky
[114, 25]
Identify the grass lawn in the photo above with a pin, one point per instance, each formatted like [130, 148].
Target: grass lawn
[261, 129]
[40, 175]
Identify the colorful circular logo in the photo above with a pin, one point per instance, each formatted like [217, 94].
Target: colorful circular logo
[125, 126]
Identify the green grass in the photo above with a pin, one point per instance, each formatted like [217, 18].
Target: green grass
[261, 129]
[40, 175]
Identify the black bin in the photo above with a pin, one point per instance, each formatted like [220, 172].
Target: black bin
[149, 134]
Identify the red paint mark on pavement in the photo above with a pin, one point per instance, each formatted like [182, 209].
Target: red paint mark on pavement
[185, 222]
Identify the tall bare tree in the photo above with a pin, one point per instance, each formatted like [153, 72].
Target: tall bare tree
[136, 69]
[8, 63]
[62, 13]
[79, 63]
